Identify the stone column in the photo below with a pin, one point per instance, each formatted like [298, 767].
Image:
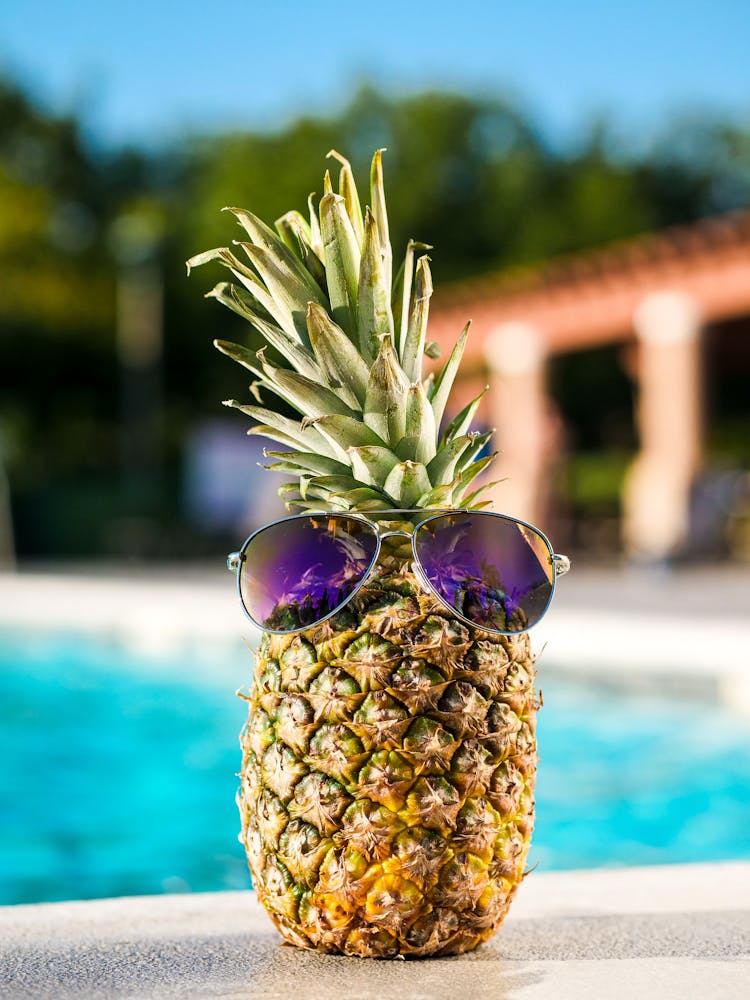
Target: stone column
[669, 421]
[517, 408]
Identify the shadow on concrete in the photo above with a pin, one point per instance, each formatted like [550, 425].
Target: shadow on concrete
[242, 966]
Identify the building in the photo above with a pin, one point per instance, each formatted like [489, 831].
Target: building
[662, 296]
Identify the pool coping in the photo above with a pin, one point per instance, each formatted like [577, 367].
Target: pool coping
[598, 634]
[659, 932]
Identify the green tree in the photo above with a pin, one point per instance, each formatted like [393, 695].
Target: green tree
[474, 177]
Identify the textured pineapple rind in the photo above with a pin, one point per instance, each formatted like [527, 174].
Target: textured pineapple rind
[387, 782]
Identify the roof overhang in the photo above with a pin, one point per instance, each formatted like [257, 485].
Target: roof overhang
[589, 299]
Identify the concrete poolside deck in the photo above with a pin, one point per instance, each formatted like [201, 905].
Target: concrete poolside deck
[667, 933]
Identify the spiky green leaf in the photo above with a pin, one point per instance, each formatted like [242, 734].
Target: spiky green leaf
[224, 256]
[420, 423]
[438, 496]
[307, 396]
[469, 475]
[287, 432]
[263, 237]
[471, 500]
[265, 302]
[407, 482]
[377, 200]
[341, 255]
[374, 317]
[444, 382]
[287, 292]
[406, 448]
[372, 464]
[247, 358]
[301, 359]
[336, 354]
[337, 484]
[364, 498]
[307, 461]
[385, 399]
[471, 453]
[442, 468]
[295, 230]
[401, 295]
[273, 434]
[218, 253]
[225, 293]
[462, 422]
[346, 432]
[413, 350]
[286, 488]
[348, 191]
[315, 506]
[316, 240]
[291, 226]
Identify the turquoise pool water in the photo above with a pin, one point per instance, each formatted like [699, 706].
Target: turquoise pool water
[118, 775]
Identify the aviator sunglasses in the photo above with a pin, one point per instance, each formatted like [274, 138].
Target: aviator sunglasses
[490, 570]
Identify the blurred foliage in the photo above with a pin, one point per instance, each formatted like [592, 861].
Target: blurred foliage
[470, 176]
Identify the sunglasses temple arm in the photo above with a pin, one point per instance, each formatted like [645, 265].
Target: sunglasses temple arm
[234, 561]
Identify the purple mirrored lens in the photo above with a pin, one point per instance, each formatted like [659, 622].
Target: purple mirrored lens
[297, 572]
[494, 571]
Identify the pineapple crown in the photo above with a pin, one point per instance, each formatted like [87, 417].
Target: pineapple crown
[345, 344]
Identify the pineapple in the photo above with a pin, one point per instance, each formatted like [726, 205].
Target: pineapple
[389, 757]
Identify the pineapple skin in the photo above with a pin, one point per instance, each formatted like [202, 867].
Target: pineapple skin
[387, 782]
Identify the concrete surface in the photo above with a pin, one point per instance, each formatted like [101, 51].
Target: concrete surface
[668, 933]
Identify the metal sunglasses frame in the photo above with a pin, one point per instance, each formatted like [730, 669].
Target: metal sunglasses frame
[560, 564]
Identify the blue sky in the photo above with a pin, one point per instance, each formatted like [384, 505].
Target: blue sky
[143, 71]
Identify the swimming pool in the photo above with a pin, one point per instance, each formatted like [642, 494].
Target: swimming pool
[118, 773]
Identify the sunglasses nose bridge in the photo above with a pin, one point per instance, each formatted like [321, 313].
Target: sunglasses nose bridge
[415, 568]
